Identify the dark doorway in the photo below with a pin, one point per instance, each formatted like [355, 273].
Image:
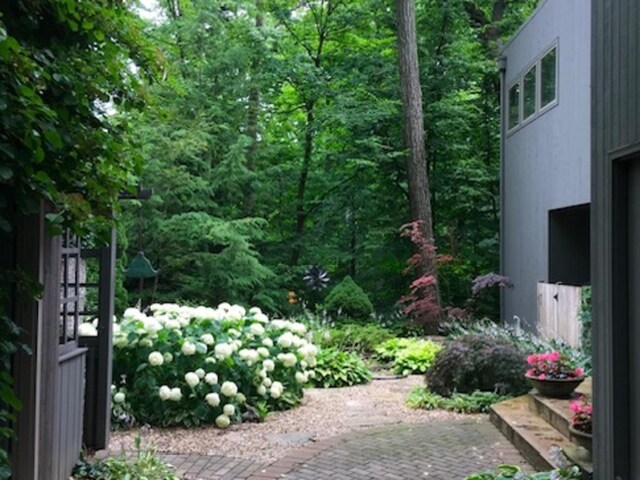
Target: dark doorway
[569, 245]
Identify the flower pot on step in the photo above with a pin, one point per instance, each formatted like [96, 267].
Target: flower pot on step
[555, 387]
[581, 438]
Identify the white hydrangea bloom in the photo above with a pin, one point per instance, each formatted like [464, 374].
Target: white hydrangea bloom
[280, 324]
[87, 330]
[232, 332]
[222, 421]
[132, 313]
[192, 379]
[200, 373]
[269, 365]
[255, 310]
[116, 328]
[229, 410]
[287, 359]
[276, 390]
[223, 350]
[154, 306]
[208, 339]
[224, 306]
[164, 392]
[256, 329]
[213, 399]
[119, 397]
[267, 382]
[229, 389]
[175, 395]
[236, 312]
[298, 328]
[168, 357]
[209, 360]
[261, 390]
[301, 377]
[172, 325]
[262, 374]
[285, 340]
[211, 378]
[155, 359]
[261, 317]
[240, 398]
[145, 342]
[267, 342]
[263, 352]
[188, 348]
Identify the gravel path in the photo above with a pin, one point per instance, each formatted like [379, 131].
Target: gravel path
[324, 413]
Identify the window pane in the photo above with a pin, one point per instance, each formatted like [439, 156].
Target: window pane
[529, 92]
[548, 78]
[514, 105]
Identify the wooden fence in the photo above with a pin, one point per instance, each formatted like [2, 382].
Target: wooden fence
[558, 309]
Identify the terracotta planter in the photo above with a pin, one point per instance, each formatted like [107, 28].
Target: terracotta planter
[581, 438]
[555, 388]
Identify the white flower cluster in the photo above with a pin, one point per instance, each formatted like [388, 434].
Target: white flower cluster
[214, 348]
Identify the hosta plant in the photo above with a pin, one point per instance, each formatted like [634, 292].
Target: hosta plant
[340, 369]
[183, 365]
[408, 355]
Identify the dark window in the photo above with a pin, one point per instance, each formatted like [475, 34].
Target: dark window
[548, 74]
[514, 105]
[69, 290]
[529, 93]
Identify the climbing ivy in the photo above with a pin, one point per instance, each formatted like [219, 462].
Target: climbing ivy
[69, 74]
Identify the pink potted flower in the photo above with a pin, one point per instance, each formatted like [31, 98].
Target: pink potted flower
[553, 374]
[581, 423]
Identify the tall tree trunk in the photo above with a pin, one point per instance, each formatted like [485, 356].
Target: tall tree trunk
[252, 118]
[419, 196]
[301, 213]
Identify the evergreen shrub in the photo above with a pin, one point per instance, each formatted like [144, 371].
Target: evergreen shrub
[348, 301]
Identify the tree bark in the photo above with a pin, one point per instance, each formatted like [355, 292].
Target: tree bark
[252, 118]
[301, 214]
[419, 195]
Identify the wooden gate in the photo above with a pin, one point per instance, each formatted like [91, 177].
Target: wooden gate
[558, 310]
[49, 380]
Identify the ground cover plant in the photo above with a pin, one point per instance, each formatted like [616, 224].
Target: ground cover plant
[187, 366]
[144, 465]
[336, 368]
[478, 362]
[361, 339]
[408, 355]
[476, 402]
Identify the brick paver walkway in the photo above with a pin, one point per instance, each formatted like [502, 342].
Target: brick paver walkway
[443, 450]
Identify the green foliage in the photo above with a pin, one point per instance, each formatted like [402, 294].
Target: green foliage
[475, 402]
[416, 357]
[145, 465]
[505, 472]
[408, 355]
[340, 369]
[361, 339]
[585, 317]
[348, 301]
[475, 362]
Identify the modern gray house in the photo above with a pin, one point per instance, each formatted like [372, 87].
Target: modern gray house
[570, 178]
[615, 236]
[546, 153]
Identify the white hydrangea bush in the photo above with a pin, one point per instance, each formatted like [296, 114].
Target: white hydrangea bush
[192, 365]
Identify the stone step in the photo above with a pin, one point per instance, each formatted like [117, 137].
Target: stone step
[529, 433]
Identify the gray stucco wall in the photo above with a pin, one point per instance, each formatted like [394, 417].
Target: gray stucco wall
[546, 162]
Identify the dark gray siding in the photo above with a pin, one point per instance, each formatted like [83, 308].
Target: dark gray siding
[615, 136]
[546, 161]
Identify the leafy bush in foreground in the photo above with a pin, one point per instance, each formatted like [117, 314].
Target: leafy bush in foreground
[476, 402]
[184, 365]
[340, 369]
[477, 362]
[348, 301]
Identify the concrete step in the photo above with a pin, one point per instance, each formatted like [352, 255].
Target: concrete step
[529, 433]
